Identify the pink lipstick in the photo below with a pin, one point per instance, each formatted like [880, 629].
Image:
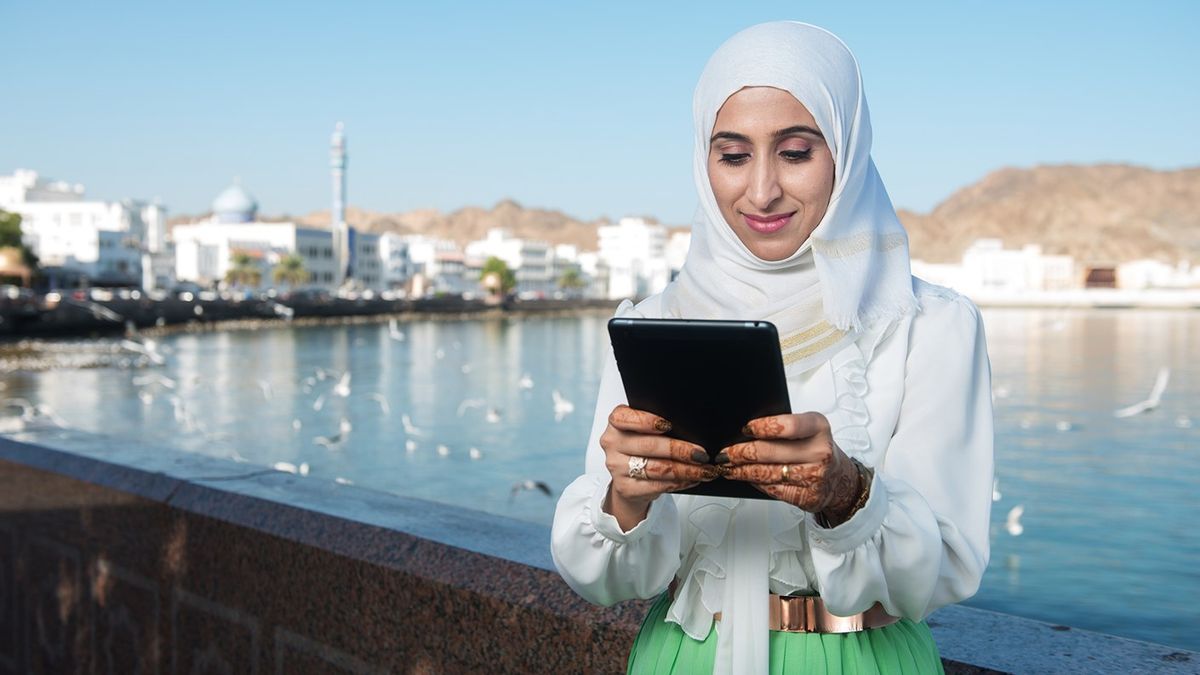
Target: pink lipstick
[767, 224]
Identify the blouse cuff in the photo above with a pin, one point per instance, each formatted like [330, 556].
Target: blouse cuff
[858, 529]
[607, 525]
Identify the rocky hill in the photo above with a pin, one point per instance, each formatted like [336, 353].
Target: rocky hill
[1100, 214]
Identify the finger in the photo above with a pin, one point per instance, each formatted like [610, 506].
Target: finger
[630, 419]
[774, 452]
[798, 475]
[789, 493]
[634, 444]
[661, 469]
[798, 425]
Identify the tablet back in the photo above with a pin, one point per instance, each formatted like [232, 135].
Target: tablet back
[708, 378]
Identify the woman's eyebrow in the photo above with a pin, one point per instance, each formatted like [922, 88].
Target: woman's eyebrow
[742, 138]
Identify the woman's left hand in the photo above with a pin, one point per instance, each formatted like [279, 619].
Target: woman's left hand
[794, 459]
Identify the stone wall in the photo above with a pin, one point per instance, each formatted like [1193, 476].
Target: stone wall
[195, 565]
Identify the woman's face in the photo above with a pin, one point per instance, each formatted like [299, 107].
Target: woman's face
[770, 169]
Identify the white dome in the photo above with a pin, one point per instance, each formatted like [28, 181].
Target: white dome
[235, 205]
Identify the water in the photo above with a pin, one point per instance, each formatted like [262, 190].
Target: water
[1109, 542]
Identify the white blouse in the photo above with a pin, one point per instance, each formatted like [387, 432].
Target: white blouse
[912, 399]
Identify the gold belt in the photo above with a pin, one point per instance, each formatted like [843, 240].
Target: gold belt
[807, 614]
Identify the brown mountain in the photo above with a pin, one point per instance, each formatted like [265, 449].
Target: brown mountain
[472, 223]
[1100, 214]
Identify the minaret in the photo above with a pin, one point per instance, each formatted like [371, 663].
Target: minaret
[337, 224]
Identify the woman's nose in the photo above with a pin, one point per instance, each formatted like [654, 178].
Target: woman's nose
[764, 186]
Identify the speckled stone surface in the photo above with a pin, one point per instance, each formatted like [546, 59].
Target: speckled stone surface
[187, 564]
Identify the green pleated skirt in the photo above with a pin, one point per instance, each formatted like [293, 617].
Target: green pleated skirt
[902, 648]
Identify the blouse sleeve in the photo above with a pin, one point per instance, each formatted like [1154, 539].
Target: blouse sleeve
[921, 541]
[597, 559]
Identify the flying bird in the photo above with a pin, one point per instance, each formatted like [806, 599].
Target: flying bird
[383, 402]
[526, 382]
[342, 388]
[408, 426]
[1160, 385]
[1013, 522]
[470, 403]
[474, 453]
[521, 486]
[562, 407]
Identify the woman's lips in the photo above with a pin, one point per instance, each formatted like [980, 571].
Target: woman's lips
[767, 224]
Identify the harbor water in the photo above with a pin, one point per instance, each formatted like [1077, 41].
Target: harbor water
[467, 411]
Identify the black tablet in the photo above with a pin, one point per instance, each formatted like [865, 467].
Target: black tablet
[708, 378]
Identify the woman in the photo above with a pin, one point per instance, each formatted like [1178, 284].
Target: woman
[879, 483]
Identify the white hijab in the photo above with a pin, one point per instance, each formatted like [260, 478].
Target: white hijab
[854, 268]
[852, 273]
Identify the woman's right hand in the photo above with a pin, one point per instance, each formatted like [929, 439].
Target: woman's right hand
[671, 464]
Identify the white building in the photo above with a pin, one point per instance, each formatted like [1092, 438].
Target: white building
[1148, 274]
[438, 265]
[85, 242]
[204, 250]
[990, 268]
[531, 261]
[676, 251]
[634, 253]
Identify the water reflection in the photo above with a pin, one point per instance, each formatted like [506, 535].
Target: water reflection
[1109, 503]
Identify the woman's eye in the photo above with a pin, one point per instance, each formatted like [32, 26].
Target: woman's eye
[796, 155]
[734, 158]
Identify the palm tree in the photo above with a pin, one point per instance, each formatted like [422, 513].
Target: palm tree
[243, 269]
[496, 276]
[290, 271]
[571, 279]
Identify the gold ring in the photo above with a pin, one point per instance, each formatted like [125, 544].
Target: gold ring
[637, 467]
[784, 473]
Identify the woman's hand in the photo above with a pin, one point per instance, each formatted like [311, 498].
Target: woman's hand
[633, 439]
[793, 458]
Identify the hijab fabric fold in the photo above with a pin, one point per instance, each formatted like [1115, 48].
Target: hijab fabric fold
[851, 273]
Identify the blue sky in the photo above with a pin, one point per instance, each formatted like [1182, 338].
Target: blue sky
[583, 107]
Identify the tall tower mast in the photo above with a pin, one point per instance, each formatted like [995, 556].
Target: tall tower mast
[341, 233]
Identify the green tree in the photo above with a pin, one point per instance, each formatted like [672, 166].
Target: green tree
[497, 277]
[570, 279]
[10, 235]
[290, 271]
[243, 269]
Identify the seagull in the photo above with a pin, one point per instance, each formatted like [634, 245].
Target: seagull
[394, 330]
[410, 446]
[492, 415]
[1183, 422]
[562, 407]
[319, 403]
[466, 369]
[475, 453]
[526, 382]
[148, 350]
[1160, 385]
[440, 353]
[288, 467]
[995, 489]
[1063, 425]
[343, 481]
[442, 450]
[296, 424]
[520, 486]
[266, 389]
[147, 399]
[1013, 522]
[342, 388]
[470, 403]
[333, 442]
[344, 426]
[409, 428]
[383, 403]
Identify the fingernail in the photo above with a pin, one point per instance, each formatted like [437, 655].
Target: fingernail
[662, 425]
[699, 455]
[747, 431]
[722, 458]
